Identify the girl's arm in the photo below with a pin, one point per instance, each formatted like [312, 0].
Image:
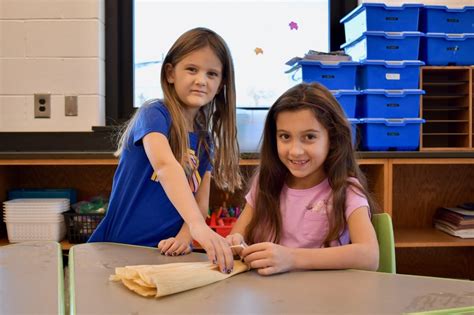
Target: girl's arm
[181, 243]
[202, 195]
[171, 176]
[237, 235]
[362, 253]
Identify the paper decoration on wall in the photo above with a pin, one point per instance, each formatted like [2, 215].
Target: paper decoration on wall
[293, 25]
[166, 279]
[258, 50]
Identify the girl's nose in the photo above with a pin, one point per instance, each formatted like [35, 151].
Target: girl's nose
[200, 80]
[296, 148]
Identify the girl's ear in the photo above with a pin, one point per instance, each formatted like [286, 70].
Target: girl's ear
[169, 73]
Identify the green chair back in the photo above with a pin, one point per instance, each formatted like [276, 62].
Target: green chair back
[383, 228]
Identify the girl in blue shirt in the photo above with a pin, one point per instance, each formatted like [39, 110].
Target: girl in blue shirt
[160, 191]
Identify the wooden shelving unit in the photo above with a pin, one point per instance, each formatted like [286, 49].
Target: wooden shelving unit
[447, 108]
[409, 189]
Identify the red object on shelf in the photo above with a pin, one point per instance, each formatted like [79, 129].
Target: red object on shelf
[221, 226]
[225, 229]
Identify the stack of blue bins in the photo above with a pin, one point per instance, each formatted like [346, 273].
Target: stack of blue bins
[339, 77]
[385, 40]
[449, 35]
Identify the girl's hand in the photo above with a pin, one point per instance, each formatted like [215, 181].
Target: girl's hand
[216, 247]
[268, 258]
[234, 240]
[174, 246]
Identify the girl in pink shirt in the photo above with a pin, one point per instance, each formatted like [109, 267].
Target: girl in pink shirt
[308, 205]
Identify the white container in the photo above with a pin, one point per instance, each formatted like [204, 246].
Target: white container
[250, 122]
[35, 231]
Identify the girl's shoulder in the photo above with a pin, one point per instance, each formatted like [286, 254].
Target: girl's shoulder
[153, 108]
[354, 186]
[155, 105]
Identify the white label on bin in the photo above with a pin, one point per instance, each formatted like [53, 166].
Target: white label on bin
[392, 76]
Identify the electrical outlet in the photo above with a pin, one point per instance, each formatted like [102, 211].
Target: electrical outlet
[42, 105]
[70, 105]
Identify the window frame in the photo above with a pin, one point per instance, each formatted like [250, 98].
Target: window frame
[119, 53]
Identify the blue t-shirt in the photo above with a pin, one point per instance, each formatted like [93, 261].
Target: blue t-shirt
[139, 211]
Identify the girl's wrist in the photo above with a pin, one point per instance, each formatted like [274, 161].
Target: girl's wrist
[293, 256]
[196, 222]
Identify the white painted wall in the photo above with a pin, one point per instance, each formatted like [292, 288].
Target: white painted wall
[56, 47]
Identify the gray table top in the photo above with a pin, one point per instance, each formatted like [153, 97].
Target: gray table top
[31, 278]
[330, 292]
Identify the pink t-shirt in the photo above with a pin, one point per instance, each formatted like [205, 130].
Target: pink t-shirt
[303, 228]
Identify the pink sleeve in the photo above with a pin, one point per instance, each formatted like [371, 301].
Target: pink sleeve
[355, 199]
[250, 197]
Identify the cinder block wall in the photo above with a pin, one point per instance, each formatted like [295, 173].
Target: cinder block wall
[54, 47]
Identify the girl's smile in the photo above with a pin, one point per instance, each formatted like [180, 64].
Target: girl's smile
[302, 147]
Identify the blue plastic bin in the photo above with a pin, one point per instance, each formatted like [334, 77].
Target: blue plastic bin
[441, 19]
[250, 122]
[339, 75]
[389, 103]
[374, 45]
[348, 101]
[390, 75]
[379, 134]
[354, 122]
[67, 193]
[440, 49]
[381, 17]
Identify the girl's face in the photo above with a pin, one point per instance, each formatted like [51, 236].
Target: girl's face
[303, 145]
[196, 78]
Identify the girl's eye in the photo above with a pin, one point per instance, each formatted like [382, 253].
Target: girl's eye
[213, 74]
[190, 69]
[283, 136]
[310, 137]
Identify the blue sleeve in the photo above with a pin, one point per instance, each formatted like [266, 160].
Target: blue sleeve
[152, 117]
[211, 153]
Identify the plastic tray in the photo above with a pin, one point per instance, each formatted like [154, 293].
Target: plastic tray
[381, 17]
[377, 45]
[441, 19]
[348, 101]
[391, 75]
[339, 75]
[441, 49]
[354, 122]
[67, 193]
[390, 103]
[378, 134]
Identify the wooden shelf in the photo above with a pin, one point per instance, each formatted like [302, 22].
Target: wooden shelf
[428, 237]
[33, 162]
[409, 186]
[447, 108]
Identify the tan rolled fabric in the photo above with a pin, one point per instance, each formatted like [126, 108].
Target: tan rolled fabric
[166, 279]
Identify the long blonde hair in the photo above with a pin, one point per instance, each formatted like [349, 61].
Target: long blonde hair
[218, 117]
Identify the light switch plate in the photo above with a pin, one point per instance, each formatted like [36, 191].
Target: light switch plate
[70, 105]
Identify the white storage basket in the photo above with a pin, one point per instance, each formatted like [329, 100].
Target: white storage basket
[35, 231]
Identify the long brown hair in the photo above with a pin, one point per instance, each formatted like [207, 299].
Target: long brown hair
[218, 117]
[340, 164]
